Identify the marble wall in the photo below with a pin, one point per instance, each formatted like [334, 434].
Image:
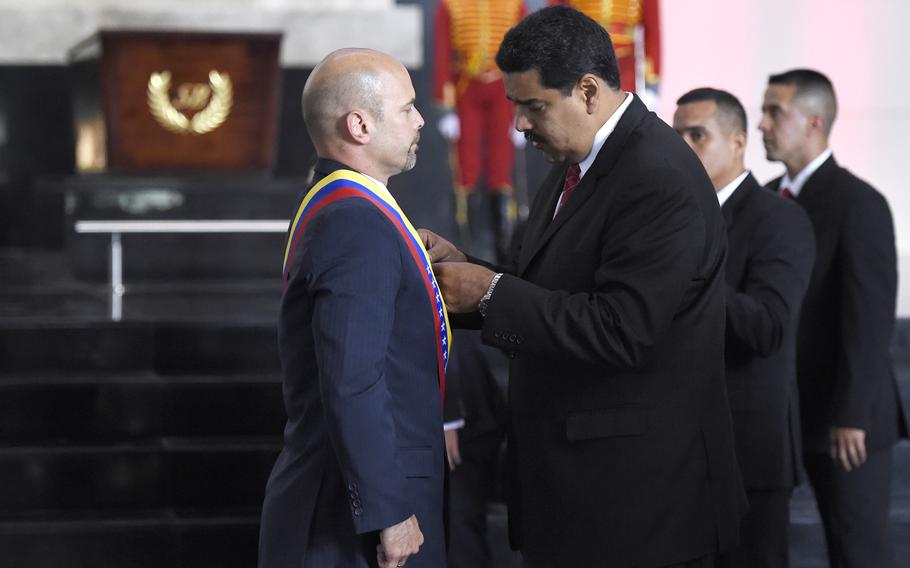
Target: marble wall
[42, 31]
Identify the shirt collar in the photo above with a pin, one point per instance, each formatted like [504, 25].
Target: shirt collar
[796, 184]
[601, 136]
[383, 190]
[724, 194]
[376, 181]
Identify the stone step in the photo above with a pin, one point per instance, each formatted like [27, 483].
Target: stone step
[144, 301]
[164, 347]
[76, 347]
[169, 538]
[155, 539]
[179, 473]
[58, 407]
[180, 256]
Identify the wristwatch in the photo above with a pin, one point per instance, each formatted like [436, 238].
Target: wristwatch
[485, 300]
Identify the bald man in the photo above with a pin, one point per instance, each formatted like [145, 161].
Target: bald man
[363, 341]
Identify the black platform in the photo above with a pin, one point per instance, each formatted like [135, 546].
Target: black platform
[166, 257]
[141, 443]
[147, 442]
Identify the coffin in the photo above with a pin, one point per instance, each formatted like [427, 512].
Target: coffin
[151, 101]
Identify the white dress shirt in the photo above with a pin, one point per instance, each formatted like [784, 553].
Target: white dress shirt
[796, 184]
[600, 137]
[724, 194]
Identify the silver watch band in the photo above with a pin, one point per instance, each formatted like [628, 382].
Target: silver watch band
[485, 300]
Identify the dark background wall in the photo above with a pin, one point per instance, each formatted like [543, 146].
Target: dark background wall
[36, 147]
[36, 139]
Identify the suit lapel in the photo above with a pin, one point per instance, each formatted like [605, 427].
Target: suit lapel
[544, 228]
[735, 202]
[774, 185]
[812, 194]
[541, 214]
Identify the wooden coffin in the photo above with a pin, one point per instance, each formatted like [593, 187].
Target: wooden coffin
[151, 101]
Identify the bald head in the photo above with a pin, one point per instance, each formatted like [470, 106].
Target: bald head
[359, 107]
[346, 80]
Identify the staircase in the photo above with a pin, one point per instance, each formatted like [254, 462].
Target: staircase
[143, 443]
[147, 443]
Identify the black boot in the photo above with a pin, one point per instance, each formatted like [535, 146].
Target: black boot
[461, 218]
[505, 212]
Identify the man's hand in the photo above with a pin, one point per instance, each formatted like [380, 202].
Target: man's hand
[463, 284]
[439, 249]
[848, 447]
[398, 542]
[452, 450]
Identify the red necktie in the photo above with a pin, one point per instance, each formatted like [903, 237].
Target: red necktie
[573, 174]
[785, 192]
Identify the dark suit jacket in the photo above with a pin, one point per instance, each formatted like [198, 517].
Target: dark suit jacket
[363, 445]
[620, 435]
[473, 393]
[770, 252]
[844, 361]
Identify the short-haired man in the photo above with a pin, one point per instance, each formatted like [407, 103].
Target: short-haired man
[363, 341]
[770, 251]
[619, 430]
[851, 412]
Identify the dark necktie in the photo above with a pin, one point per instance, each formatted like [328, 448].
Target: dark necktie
[785, 192]
[573, 174]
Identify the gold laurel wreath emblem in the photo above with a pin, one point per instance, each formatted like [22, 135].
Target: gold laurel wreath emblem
[206, 120]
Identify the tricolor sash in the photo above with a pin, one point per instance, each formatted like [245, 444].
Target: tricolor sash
[344, 184]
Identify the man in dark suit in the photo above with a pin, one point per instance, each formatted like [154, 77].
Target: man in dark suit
[619, 430]
[474, 432]
[851, 412]
[770, 251]
[363, 341]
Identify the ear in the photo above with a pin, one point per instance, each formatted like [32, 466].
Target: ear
[817, 122]
[358, 126]
[739, 144]
[590, 88]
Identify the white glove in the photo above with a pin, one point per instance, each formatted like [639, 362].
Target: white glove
[518, 138]
[449, 126]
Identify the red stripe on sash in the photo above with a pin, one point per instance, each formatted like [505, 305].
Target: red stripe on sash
[347, 192]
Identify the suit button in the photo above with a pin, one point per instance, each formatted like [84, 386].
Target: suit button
[351, 487]
[519, 339]
[512, 354]
[357, 511]
[497, 335]
[512, 338]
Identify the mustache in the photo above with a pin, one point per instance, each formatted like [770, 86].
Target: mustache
[531, 137]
